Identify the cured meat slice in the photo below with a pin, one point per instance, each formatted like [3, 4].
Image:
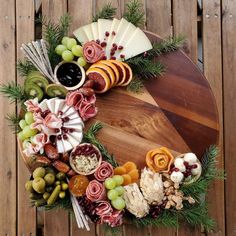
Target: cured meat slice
[95, 191]
[103, 208]
[104, 171]
[93, 52]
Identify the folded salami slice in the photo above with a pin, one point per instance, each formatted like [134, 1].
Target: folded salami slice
[104, 171]
[95, 191]
[103, 208]
[93, 52]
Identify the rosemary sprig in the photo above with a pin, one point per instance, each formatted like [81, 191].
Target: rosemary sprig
[24, 67]
[13, 120]
[53, 34]
[89, 136]
[107, 12]
[14, 92]
[165, 46]
[134, 13]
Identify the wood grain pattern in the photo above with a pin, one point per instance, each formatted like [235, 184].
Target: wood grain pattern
[185, 23]
[213, 72]
[54, 9]
[229, 73]
[26, 225]
[8, 196]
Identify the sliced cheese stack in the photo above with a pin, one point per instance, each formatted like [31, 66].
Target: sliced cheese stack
[71, 133]
[120, 39]
[109, 73]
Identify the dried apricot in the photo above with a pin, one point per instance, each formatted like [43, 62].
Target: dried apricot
[78, 185]
[120, 170]
[127, 179]
[134, 175]
[129, 166]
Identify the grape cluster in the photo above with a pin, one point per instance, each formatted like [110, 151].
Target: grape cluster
[69, 49]
[156, 210]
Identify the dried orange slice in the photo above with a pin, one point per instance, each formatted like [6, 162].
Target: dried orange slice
[107, 70]
[114, 69]
[78, 185]
[101, 80]
[134, 174]
[120, 170]
[129, 166]
[122, 72]
[127, 179]
[129, 74]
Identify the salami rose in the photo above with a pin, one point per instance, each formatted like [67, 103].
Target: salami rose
[103, 208]
[95, 191]
[104, 171]
[93, 52]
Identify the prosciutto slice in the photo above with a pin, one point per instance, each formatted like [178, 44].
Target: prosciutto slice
[95, 191]
[104, 171]
[93, 52]
[32, 105]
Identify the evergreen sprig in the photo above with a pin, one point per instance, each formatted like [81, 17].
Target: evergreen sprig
[134, 13]
[13, 120]
[135, 86]
[14, 92]
[90, 136]
[107, 12]
[24, 67]
[53, 34]
[112, 231]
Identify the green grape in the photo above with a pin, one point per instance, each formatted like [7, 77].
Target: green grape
[60, 49]
[26, 143]
[118, 179]
[112, 194]
[77, 50]
[64, 40]
[81, 61]
[21, 136]
[70, 43]
[29, 118]
[118, 203]
[28, 132]
[22, 124]
[110, 183]
[67, 56]
[120, 190]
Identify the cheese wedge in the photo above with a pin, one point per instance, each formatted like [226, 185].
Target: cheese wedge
[43, 105]
[88, 31]
[137, 44]
[103, 27]
[67, 145]
[51, 104]
[94, 27]
[60, 146]
[59, 103]
[81, 35]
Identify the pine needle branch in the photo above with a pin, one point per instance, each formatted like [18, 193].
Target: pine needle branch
[14, 92]
[107, 12]
[24, 67]
[134, 13]
[165, 46]
[135, 86]
[89, 136]
[13, 120]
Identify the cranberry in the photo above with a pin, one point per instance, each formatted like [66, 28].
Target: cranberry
[194, 166]
[145, 54]
[186, 164]
[114, 48]
[60, 113]
[103, 44]
[45, 113]
[113, 33]
[112, 53]
[71, 130]
[104, 58]
[65, 136]
[122, 56]
[59, 137]
[65, 130]
[57, 130]
[120, 47]
[98, 41]
[176, 169]
[107, 34]
[114, 45]
[113, 58]
[65, 119]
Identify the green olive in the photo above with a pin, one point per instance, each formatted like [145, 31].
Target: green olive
[57, 182]
[28, 186]
[39, 185]
[39, 172]
[62, 194]
[64, 186]
[60, 175]
[49, 178]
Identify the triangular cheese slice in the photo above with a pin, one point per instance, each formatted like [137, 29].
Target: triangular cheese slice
[80, 35]
[103, 27]
[94, 27]
[88, 31]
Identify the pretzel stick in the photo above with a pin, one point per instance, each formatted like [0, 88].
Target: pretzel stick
[43, 43]
[77, 216]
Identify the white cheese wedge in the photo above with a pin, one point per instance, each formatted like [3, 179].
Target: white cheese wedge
[51, 104]
[59, 103]
[43, 105]
[77, 135]
[114, 26]
[77, 127]
[65, 108]
[76, 121]
[137, 44]
[88, 31]
[60, 146]
[94, 27]
[73, 116]
[67, 145]
[69, 112]
[74, 142]
[103, 27]
[80, 35]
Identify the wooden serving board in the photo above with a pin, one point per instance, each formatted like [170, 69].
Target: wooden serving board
[177, 111]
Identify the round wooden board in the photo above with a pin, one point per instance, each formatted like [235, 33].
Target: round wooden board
[177, 110]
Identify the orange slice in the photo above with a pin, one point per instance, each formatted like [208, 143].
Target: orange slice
[129, 166]
[122, 72]
[129, 74]
[107, 70]
[114, 69]
[127, 179]
[120, 170]
[101, 80]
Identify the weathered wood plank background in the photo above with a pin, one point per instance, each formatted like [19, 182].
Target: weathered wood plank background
[216, 23]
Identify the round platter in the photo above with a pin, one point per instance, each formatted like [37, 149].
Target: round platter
[177, 110]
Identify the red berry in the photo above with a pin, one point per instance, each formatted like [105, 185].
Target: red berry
[103, 44]
[145, 54]
[104, 58]
[114, 45]
[107, 34]
[98, 41]
[71, 130]
[59, 137]
[194, 166]
[122, 56]
[112, 53]
[57, 130]
[113, 58]
[65, 136]
[60, 113]
[120, 47]
[113, 33]
[186, 163]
